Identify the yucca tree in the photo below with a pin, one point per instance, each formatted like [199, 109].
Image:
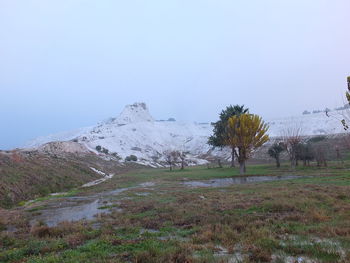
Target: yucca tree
[246, 132]
[219, 137]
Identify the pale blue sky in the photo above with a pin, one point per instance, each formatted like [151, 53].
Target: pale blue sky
[65, 64]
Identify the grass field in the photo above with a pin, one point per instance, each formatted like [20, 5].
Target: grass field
[305, 219]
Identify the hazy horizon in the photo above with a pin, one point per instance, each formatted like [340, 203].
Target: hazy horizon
[73, 63]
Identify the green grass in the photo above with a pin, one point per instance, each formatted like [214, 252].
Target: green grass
[307, 217]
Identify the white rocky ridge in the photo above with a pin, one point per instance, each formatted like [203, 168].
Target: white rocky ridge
[135, 132]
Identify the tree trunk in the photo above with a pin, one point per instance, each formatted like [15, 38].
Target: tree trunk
[242, 168]
[278, 164]
[293, 163]
[219, 163]
[233, 157]
[182, 164]
[171, 167]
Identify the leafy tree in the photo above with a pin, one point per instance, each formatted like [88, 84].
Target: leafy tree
[246, 132]
[275, 150]
[219, 137]
[305, 153]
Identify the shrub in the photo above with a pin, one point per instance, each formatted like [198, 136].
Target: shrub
[105, 151]
[131, 158]
[101, 149]
[40, 231]
[116, 155]
[98, 148]
[75, 239]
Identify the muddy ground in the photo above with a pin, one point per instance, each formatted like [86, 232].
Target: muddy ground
[194, 215]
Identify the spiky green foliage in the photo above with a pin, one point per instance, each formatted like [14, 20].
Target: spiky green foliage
[247, 132]
[219, 137]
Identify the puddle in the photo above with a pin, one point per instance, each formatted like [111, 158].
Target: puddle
[152, 231]
[11, 229]
[117, 191]
[143, 194]
[73, 213]
[58, 194]
[76, 208]
[222, 182]
[147, 184]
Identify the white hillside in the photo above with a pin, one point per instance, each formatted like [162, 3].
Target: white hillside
[62, 136]
[135, 132]
[137, 112]
[310, 124]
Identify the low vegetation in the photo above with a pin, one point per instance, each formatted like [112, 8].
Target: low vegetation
[131, 158]
[168, 221]
[29, 175]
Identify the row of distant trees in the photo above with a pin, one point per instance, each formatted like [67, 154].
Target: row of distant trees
[172, 158]
[306, 150]
[302, 149]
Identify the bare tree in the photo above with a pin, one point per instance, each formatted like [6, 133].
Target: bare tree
[320, 155]
[291, 139]
[171, 158]
[182, 156]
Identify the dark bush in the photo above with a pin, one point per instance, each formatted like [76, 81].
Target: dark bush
[116, 155]
[101, 149]
[98, 148]
[105, 151]
[131, 158]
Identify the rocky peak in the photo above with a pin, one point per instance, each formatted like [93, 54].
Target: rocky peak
[137, 112]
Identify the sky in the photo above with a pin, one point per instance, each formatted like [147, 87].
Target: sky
[66, 64]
